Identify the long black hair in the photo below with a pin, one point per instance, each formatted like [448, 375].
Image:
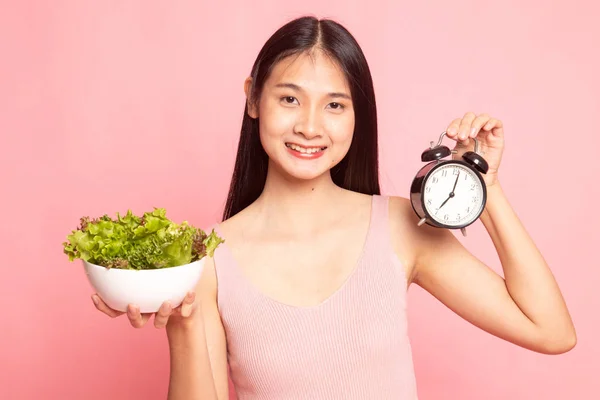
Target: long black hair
[358, 170]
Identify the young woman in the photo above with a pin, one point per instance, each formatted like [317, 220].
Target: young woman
[306, 299]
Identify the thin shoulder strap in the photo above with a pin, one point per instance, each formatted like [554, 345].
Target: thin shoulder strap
[381, 211]
[381, 222]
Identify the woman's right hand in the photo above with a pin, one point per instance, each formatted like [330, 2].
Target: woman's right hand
[166, 313]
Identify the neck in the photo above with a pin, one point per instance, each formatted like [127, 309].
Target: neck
[302, 204]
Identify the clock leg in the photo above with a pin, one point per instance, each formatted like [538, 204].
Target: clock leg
[464, 231]
[422, 221]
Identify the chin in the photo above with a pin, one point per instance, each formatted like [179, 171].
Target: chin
[294, 170]
[302, 174]
[307, 176]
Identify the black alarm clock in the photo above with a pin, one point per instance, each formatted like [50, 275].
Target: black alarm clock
[449, 193]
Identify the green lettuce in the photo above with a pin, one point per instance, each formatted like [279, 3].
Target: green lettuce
[131, 242]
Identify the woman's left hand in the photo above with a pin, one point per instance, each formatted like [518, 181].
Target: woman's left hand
[490, 140]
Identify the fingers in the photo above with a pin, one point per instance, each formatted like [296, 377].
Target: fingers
[162, 316]
[452, 129]
[494, 125]
[467, 127]
[133, 313]
[478, 124]
[136, 319]
[101, 306]
[187, 306]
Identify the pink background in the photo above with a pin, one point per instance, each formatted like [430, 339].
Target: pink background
[110, 105]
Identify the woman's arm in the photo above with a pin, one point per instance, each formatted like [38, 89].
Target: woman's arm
[525, 308]
[198, 348]
[528, 278]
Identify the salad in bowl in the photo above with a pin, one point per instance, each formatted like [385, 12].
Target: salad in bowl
[143, 260]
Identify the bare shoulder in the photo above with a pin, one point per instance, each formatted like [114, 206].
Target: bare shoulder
[409, 239]
[236, 224]
[208, 285]
[404, 219]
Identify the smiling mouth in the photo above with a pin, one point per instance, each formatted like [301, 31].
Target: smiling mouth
[304, 150]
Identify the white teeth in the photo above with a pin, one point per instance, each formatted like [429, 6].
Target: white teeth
[308, 150]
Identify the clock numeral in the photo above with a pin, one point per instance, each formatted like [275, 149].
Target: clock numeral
[475, 199]
[429, 202]
[455, 171]
[434, 179]
[458, 216]
[473, 187]
[445, 173]
[445, 217]
[468, 210]
[428, 189]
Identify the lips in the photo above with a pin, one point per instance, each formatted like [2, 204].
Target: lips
[305, 153]
[305, 149]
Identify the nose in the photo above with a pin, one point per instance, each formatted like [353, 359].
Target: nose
[309, 124]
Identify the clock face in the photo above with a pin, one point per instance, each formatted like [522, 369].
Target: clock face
[453, 195]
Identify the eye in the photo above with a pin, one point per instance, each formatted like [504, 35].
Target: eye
[289, 99]
[336, 106]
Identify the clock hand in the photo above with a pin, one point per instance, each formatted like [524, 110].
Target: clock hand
[456, 181]
[451, 195]
[445, 201]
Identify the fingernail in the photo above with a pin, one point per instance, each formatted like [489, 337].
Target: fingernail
[95, 299]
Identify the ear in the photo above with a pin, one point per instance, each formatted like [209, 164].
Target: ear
[252, 111]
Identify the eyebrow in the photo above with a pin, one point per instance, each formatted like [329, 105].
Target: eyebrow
[297, 88]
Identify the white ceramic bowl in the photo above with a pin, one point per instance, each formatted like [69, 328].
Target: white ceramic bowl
[147, 289]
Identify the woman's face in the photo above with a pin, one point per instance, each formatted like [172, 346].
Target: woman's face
[306, 117]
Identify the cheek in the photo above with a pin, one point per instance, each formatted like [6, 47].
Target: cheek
[341, 133]
[271, 134]
[266, 139]
[274, 125]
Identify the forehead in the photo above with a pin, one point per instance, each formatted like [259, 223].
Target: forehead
[315, 71]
